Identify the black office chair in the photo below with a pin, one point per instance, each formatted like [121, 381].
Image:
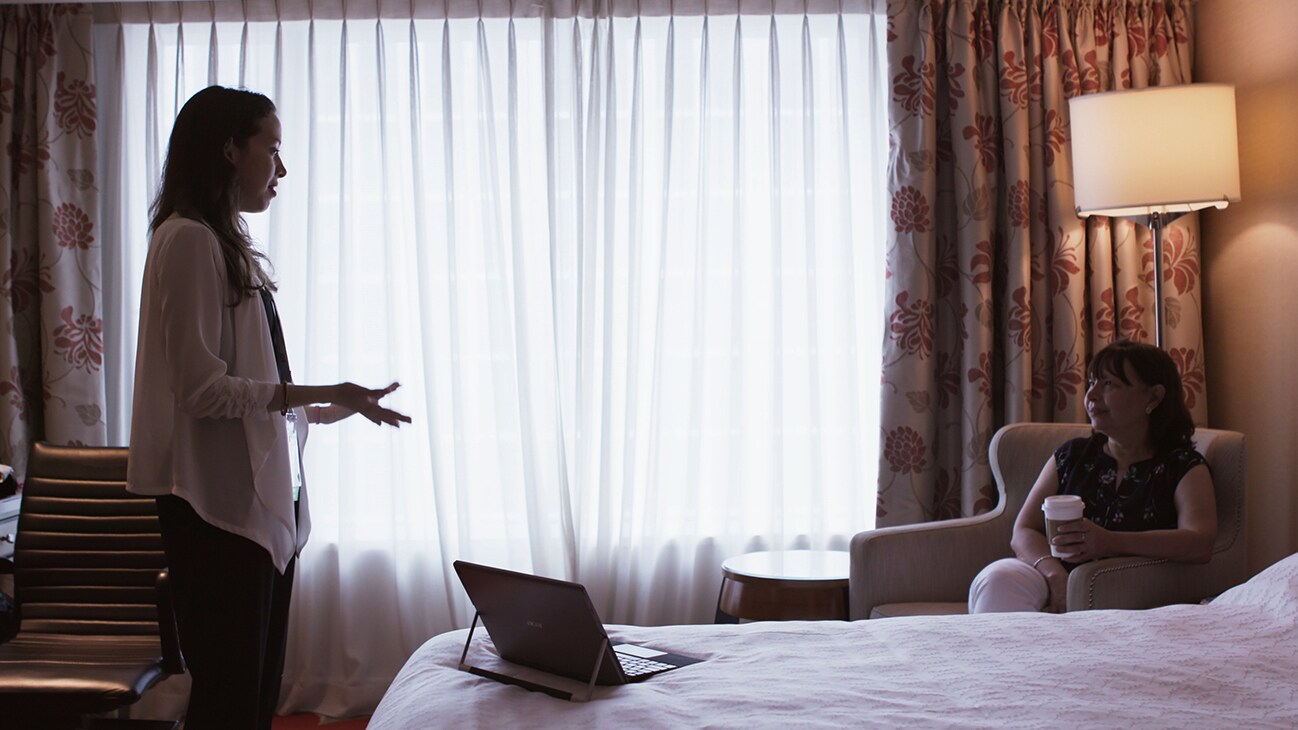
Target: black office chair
[90, 585]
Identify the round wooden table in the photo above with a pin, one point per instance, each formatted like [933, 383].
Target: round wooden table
[784, 585]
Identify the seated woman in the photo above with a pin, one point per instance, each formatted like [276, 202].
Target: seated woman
[1147, 491]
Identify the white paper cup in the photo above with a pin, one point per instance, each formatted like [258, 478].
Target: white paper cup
[1061, 509]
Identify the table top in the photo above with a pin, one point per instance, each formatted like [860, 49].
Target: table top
[791, 565]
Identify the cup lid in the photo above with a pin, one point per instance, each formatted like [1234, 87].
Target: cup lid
[1063, 498]
[1065, 506]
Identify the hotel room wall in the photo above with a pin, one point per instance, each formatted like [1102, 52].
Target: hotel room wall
[1250, 261]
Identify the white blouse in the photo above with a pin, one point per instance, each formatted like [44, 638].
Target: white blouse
[202, 427]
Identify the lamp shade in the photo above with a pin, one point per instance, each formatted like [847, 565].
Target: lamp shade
[1167, 149]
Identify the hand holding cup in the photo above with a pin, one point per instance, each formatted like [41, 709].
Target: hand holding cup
[1061, 510]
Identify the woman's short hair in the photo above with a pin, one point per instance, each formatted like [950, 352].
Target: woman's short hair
[198, 181]
[1170, 424]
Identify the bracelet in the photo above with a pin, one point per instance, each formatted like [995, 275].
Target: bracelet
[283, 409]
[1037, 562]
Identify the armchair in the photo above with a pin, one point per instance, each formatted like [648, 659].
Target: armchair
[90, 587]
[926, 569]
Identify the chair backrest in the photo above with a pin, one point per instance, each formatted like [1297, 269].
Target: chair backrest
[1017, 454]
[1020, 450]
[1224, 451]
[88, 553]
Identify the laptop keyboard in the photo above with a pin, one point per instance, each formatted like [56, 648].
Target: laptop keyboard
[634, 666]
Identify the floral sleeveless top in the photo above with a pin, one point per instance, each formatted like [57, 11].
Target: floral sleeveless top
[1143, 501]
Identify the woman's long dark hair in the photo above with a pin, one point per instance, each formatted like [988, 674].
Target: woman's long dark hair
[199, 182]
[1170, 424]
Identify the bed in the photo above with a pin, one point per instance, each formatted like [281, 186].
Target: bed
[1233, 662]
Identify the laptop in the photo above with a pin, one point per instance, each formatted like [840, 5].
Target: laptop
[551, 625]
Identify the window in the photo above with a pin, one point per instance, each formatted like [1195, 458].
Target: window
[627, 270]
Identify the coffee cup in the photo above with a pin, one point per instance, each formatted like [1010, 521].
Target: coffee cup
[1061, 509]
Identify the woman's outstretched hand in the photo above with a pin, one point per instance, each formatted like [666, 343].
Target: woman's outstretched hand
[352, 398]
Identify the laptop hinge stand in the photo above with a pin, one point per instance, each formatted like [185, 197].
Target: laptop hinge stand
[464, 667]
[520, 682]
[599, 661]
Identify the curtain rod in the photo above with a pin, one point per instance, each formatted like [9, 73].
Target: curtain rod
[270, 10]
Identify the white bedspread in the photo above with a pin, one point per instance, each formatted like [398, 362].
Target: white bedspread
[1233, 663]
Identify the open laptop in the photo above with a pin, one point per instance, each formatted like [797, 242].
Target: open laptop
[552, 626]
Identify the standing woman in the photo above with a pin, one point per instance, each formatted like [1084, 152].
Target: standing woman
[218, 424]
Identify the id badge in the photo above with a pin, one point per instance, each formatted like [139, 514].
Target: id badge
[294, 453]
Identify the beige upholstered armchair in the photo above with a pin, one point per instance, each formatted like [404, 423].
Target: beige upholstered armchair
[926, 568]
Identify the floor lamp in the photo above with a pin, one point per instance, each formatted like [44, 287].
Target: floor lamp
[1153, 155]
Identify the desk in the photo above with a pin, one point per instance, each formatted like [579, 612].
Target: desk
[784, 585]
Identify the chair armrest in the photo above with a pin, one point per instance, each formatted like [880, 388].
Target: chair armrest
[173, 660]
[6, 566]
[927, 562]
[1139, 583]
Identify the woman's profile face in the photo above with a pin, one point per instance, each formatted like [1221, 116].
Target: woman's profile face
[1115, 406]
[257, 167]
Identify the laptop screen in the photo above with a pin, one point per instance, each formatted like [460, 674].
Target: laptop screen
[540, 622]
[551, 625]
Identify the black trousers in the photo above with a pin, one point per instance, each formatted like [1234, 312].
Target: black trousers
[232, 613]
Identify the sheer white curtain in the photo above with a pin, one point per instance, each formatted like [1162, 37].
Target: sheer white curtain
[626, 268]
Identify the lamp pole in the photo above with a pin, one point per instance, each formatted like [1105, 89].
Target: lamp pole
[1156, 225]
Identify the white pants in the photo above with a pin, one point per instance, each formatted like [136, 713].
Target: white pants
[1008, 585]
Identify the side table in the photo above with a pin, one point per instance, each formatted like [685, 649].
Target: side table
[784, 585]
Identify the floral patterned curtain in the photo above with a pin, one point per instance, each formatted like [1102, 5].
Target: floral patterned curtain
[997, 293]
[51, 321]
